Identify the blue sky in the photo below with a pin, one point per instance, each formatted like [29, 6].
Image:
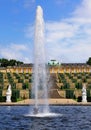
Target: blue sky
[67, 29]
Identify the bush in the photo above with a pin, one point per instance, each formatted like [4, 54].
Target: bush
[89, 99]
[25, 86]
[30, 80]
[0, 93]
[70, 94]
[79, 99]
[66, 86]
[2, 98]
[14, 99]
[88, 93]
[78, 85]
[16, 93]
[20, 80]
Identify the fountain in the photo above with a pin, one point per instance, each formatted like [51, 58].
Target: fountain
[8, 94]
[39, 89]
[84, 95]
[40, 73]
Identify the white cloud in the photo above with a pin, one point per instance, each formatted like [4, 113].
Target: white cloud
[16, 51]
[83, 10]
[69, 40]
[18, 47]
[57, 31]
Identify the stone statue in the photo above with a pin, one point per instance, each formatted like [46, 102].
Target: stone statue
[8, 94]
[84, 93]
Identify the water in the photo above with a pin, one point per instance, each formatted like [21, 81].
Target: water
[69, 118]
[39, 89]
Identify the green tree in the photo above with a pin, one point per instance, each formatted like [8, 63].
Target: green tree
[12, 62]
[19, 62]
[4, 62]
[89, 61]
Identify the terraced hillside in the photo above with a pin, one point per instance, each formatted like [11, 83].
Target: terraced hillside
[73, 80]
[72, 83]
[17, 81]
[63, 85]
[20, 84]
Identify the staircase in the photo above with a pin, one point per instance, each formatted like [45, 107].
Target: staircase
[53, 92]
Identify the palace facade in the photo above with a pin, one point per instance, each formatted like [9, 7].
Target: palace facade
[63, 68]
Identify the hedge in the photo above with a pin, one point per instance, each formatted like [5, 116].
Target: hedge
[30, 94]
[70, 94]
[25, 86]
[2, 98]
[79, 99]
[0, 92]
[16, 93]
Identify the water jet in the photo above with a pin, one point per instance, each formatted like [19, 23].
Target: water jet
[35, 110]
[39, 87]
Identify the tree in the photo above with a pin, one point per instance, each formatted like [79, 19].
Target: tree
[89, 61]
[19, 62]
[4, 62]
[12, 62]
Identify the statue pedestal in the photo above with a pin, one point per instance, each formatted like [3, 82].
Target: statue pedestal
[8, 97]
[84, 98]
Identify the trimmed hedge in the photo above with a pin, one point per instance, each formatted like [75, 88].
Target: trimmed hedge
[29, 94]
[66, 86]
[16, 93]
[1, 93]
[89, 99]
[69, 93]
[78, 85]
[2, 98]
[25, 86]
[14, 99]
[79, 99]
[88, 93]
